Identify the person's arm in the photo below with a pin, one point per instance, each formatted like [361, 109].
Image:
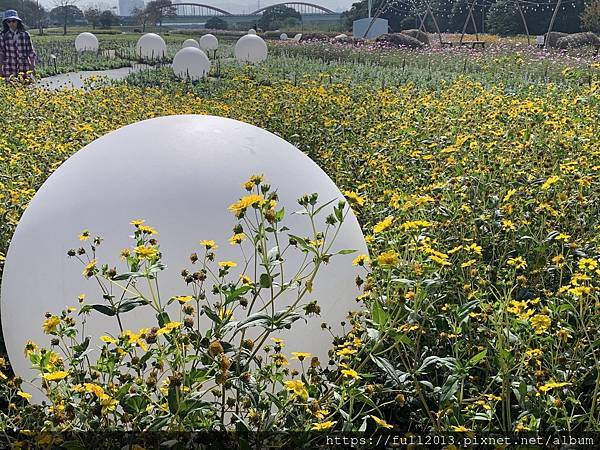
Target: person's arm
[2, 55]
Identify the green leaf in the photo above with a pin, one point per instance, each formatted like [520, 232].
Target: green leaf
[265, 281]
[254, 320]
[126, 276]
[173, 399]
[380, 316]
[131, 304]
[80, 348]
[320, 208]
[396, 376]
[279, 215]
[478, 357]
[346, 252]
[449, 388]
[234, 295]
[163, 319]
[106, 310]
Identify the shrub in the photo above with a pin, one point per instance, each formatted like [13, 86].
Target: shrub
[577, 40]
[216, 23]
[400, 40]
[590, 17]
[553, 37]
[418, 35]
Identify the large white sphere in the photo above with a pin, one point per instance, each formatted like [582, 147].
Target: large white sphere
[283, 37]
[190, 43]
[209, 42]
[250, 49]
[191, 63]
[86, 42]
[180, 174]
[151, 46]
[251, 31]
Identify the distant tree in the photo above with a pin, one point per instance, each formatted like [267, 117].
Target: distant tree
[66, 13]
[157, 10]
[590, 18]
[216, 23]
[394, 16]
[276, 16]
[140, 17]
[29, 11]
[92, 15]
[503, 19]
[108, 19]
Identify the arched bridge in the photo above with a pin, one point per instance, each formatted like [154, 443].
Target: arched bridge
[301, 7]
[189, 9]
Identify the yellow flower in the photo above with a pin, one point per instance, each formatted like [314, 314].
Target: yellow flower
[320, 426]
[237, 238]
[90, 269]
[563, 237]
[245, 279]
[168, 327]
[137, 223]
[209, 244]
[383, 225]
[50, 324]
[301, 356]
[108, 339]
[279, 359]
[468, 263]
[227, 264]
[297, 388]
[84, 236]
[256, 179]
[145, 251]
[55, 376]
[388, 258]
[346, 351]
[278, 342]
[518, 262]
[183, 298]
[146, 229]
[540, 323]
[25, 395]
[553, 385]
[93, 388]
[381, 422]
[550, 181]
[360, 260]
[351, 374]
[354, 198]
[587, 264]
[245, 202]
[460, 429]
[415, 224]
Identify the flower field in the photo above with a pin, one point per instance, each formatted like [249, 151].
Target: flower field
[478, 308]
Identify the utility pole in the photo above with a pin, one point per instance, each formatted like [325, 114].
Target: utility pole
[370, 6]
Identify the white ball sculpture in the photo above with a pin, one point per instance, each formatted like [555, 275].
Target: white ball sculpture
[209, 42]
[283, 37]
[151, 46]
[190, 43]
[86, 42]
[250, 49]
[180, 174]
[191, 63]
[251, 31]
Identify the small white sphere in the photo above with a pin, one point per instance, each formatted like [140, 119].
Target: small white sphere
[251, 31]
[283, 37]
[341, 36]
[192, 63]
[209, 42]
[151, 46]
[190, 43]
[86, 42]
[250, 49]
[298, 37]
[180, 174]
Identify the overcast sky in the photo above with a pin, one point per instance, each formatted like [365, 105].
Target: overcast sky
[232, 6]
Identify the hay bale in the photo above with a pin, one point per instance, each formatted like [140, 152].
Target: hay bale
[320, 37]
[418, 35]
[554, 36]
[400, 40]
[578, 40]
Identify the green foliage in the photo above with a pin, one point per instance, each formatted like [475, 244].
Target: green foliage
[504, 19]
[216, 23]
[279, 16]
[590, 17]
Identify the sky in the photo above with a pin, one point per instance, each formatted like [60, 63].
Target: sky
[233, 6]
